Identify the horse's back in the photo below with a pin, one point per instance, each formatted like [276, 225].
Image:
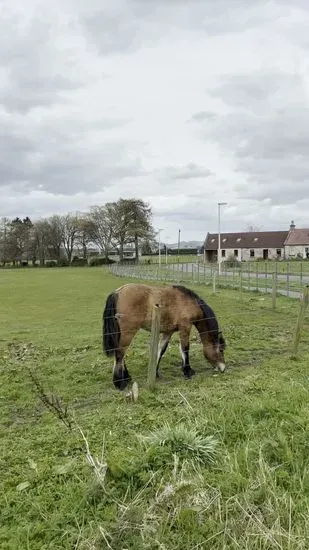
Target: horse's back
[136, 302]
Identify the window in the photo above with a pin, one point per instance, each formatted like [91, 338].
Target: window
[252, 253]
[278, 251]
[236, 253]
[223, 253]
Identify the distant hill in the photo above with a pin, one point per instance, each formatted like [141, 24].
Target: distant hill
[186, 244]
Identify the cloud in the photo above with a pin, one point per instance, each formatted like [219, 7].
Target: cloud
[266, 132]
[187, 172]
[183, 104]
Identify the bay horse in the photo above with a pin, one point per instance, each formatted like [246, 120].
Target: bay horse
[129, 308]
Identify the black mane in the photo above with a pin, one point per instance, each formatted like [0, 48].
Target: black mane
[208, 313]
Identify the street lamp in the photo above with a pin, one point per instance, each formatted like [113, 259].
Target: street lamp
[219, 236]
[159, 231]
[166, 237]
[178, 246]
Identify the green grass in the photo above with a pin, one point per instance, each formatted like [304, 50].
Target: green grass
[220, 461]
[233, 278]
[171, 258]
[268, 266]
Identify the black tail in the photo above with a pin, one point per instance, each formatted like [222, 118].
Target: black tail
[111, 328]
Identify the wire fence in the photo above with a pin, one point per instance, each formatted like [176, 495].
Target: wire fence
[251, 339]
[284, 279]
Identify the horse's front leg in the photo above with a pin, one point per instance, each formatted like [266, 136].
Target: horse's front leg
[121, 376]
[184, 334]
[163, 347]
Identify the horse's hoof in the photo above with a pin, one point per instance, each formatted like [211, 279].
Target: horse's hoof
[121, 383]
[188, 374]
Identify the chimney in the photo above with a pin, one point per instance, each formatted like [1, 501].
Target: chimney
[292, 226]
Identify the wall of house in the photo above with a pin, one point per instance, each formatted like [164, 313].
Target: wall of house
[293, 251]
[259, 252]
[244, 253]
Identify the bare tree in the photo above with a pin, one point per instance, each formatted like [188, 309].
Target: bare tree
[4, 240]
[41, 240]
[54, 236]
[84, 235]
[251, 228]
[101, 227]
[70, 224]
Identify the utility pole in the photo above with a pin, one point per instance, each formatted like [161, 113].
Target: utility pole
[219, 235]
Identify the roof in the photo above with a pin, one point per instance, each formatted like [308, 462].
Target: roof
[297, 237]
[250, 239]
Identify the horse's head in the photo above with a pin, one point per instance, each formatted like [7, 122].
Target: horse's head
[214, 351]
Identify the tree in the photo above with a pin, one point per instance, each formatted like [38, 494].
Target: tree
[101, 226]
[84, 237]
[132, 223]
[54, 236]
[250, 228]
[19, 239]
[146, 247]
[70, 224]
[41, 240]
[4, 240]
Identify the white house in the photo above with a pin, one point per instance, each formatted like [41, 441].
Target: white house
[247, 245]
[297, 243]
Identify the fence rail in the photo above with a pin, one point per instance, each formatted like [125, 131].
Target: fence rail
[243, 278]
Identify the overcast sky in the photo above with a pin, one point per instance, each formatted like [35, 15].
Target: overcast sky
[181, 103]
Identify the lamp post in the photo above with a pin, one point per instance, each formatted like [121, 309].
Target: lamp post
[178, 245]
[166, 250]
[159, 231]
[219, 235]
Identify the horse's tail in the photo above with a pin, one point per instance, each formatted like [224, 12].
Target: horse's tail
[111, 328]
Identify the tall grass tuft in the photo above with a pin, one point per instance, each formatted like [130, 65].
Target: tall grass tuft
[184, 442]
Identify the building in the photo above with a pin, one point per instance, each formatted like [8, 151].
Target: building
[247, 245]
[297, 243]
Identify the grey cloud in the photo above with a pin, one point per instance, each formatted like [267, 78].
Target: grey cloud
[189, 171]
[60, 160]
[267, 134]
[253, 92]
[33, 73]
[112, 29]
[203, 115]
[125, 26]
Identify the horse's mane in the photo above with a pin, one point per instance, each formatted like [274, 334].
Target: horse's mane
[208, 313]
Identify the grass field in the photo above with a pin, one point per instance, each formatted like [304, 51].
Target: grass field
[233, 278]
[268, 266]
[171, 258]
[224, 461]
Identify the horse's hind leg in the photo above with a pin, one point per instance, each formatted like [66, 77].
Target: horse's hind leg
[184, 334]
[163, 347]
[121, 376]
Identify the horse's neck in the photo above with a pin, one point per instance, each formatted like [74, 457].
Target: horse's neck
[202, 330]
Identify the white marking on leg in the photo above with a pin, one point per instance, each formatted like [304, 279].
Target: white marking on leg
[164, 342]
[182, 354]
[221, 367]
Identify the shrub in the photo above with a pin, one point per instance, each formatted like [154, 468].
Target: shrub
[231, 261]
[128, 261]
[100, 261]
[51, 263]
[63, 262]
[78, 262]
